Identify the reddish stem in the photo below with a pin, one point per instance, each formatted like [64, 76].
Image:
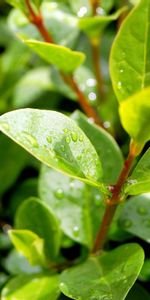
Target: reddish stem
[95, 4]
[113, 203]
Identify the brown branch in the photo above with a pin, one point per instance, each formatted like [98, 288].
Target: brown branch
[37, 20]
[94, 4]
[112, 204]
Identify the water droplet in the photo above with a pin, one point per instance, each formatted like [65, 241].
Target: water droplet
[107, 124]
[74, 136]
[131, 181]
[82, 11]
[76, 231]
[142, 210]
[64, 288]
[65, 130]
[100, 11]
[121, 70]
[97, 200]
[119, 85]
[62, 147]
[91, 120]
[68, 140]
[49, 139]
[127, 223]
[59, 193]
[72, 185]
[91, 82]
[92, 96]
[4, 126]
[30, 139]
[81, 138]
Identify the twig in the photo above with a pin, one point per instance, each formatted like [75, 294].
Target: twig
[94, 4]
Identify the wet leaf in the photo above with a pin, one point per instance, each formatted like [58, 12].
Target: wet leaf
[129, 61]
[35, 216]
[55, 140]
[135, 216]
[109, 276]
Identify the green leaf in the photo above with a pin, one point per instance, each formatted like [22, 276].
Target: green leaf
[145, 272]
[94, 26]
[62, 57]
[129, 72]
[138, 293]
[27, 287]
[36, 216]
[30, 245]
[106, 147]
[21, 4]
[139, 181]
[55, 140]
[135, 116]
[109, 276]
[15, 264]
[135, 216]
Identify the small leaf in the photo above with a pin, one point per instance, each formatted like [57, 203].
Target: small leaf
[106, 147]
[109, 276]
[62, 57]
[129, 72]
[27, 287]
[135, 216]
[94, 26]
[145, 272]
[135, 116]
[139, 181]
[30, 245]
[36, 216]
[56, 141]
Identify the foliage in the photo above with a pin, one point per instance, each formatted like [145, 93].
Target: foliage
[74, 211]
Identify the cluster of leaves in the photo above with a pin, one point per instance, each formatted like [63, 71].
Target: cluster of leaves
[56, 211]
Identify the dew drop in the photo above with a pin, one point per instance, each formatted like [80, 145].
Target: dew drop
[100, 11]
[76, 231]
[127, 223]
[92, 96]
[59, 193]
[72, 185]
[5, 126]
[49, 139]
[82, 11]
[65, 130]
[81, 138]
[91, 121]
[64, 288]
[142, 210]
[28, 138]
[121, 71]
[131, 181]
[68, 140]
[91, 82]
[119, 85]
[74, 136]
[97, 200]
[107, 124]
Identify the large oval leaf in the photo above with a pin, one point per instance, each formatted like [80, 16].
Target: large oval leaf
[135, 116]
[129, 61]
[62, 57]
[55, 140]
[139, 181]
[36, 216]
[109, 276]
[106, 147]
[135, 216]
[27, 287]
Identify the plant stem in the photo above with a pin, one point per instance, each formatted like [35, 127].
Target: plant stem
[94, 4]
[37, 20]
[95, 45]
[112, 204]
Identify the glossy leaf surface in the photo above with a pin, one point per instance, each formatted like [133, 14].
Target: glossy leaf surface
[55, 140]
[27, 287]
[135, 116]
[139, 181]
[30, 245]
[106, 147]
[135, 216]
[129, 63]
[109, 276]
[62, 57]
[35, 216]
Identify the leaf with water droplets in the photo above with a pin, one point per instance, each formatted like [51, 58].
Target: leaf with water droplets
[106, 147]
[129, 60]
[35, 216]
[64, 196]
[30, 245]
[36, 287]
[62, 57]
[135, 116]
[108, 276]
[31, 128]
[135, 216]
[94, 26]
[139, 181]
